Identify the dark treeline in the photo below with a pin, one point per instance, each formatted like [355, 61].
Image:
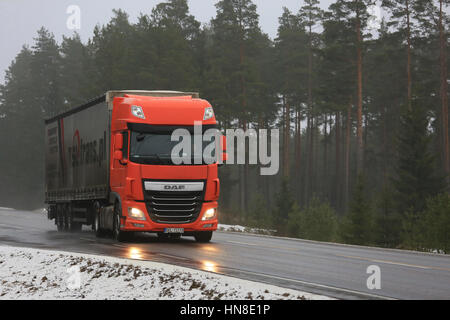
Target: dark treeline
[363, 113]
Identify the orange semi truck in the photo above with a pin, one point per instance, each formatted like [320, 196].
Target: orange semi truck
[108, 165]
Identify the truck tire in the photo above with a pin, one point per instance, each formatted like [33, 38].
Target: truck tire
[118, 234]
[203, 236]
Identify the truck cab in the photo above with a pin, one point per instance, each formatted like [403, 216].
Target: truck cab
[150, 192]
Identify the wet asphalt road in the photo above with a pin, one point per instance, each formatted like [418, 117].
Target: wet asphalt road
[335, 270]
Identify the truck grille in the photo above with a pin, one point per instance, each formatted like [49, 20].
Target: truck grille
[174, 206]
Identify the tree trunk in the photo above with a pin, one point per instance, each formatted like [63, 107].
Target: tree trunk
[298, 151]
[338, 161]
[287, 127]
[359, 133]
[244, 179]
[408, 65]
[325, 157]
[444, 95]
[347, 152]
[309, 188]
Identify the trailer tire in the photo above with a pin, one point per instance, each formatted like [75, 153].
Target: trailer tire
[99, 231]
[59, 218]
[76, 227]
[203, 236]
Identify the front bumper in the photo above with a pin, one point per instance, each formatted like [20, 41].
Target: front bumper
[130, 224]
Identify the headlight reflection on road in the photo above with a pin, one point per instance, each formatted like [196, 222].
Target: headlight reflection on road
[135, 253]
[210, 248]
[209, 266]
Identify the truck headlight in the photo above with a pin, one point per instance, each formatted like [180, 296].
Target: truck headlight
[209, 214]
[209, 113]
[136, 214]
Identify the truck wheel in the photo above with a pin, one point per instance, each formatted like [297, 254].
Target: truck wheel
[203, 236]
[118, 234]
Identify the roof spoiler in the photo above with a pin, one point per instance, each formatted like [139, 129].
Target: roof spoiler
[110, 95]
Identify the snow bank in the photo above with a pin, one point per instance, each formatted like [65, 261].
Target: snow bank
[40, 274]
[237, 228]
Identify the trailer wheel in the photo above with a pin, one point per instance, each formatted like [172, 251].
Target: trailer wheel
[99, 232]
[118, 234]
[203, 236]
[59, 218]
[75, 226]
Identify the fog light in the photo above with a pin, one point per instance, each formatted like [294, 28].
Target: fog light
[209, 214]
[136, 214]
[138, 225]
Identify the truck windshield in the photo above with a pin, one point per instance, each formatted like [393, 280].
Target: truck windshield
[156, 149]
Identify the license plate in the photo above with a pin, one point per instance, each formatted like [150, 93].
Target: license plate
[174, 230]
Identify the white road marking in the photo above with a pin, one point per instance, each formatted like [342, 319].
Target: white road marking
[170, 256]
[318, 285]
[119, 245]
[14, 227]
[395, 263]
[244, 243]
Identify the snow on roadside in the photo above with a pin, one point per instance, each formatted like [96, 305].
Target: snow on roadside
[40, 274]
[237, 228]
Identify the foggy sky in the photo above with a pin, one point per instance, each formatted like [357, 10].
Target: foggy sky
[20, 19]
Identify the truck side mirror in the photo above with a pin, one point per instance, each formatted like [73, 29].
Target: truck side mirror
[118, 155]
[224, 150]
[118, 142]
[118, 149]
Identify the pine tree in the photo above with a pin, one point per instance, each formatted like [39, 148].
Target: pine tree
[46, 72]
[336, 86]
[284, 205]
[357, 226]
[357, 16]
[236, 34]
[310, 15]
[403, 15]
[387, 221]
[435, 223]
[291, 73]
[416, 175]
[74, 64]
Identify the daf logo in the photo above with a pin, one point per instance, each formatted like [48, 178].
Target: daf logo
[174, 187]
